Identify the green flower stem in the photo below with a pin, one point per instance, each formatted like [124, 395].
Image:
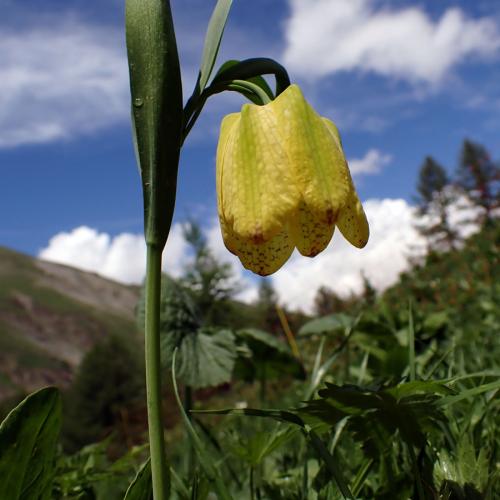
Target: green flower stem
[159, 469]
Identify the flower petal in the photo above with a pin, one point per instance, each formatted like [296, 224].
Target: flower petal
[310, 233]
[352, 222]
[257, 194]
[316, 159]
[226, 136]
[351, 219]
[261, 258]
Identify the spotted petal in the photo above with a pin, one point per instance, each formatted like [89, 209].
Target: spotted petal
[261, 258]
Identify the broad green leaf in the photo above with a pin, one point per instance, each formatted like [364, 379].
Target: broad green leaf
[327, 324]
[206, 356]
[270, 357]
[212, 41]
[141, 488]
[157, 119]
[28, 440]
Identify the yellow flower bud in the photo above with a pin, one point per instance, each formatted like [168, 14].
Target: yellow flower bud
[283, 183]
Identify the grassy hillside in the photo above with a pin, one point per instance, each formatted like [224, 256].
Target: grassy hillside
[50, 316]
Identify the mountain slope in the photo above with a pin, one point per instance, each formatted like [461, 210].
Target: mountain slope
[50, 316]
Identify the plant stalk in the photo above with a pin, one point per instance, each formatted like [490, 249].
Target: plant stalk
[159, 471]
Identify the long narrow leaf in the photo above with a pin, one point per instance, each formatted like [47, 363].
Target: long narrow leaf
[156, 91]
[212, 41]
[411, 342]
[141, 488]
[475, 391]
[329, 461]
[205, 460]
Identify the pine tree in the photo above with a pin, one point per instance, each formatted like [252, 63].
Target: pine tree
[327, 301]
[109, 380]
[266, 302]
[210, 281]
[479, 177]
[369, 293]
[435, 195]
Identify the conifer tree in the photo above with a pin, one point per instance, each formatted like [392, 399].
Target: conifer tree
[266, 301]
[327, 301]
[434, 197]
[210, 281]
[479, 177]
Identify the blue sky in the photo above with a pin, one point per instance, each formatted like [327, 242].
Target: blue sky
[402, 79]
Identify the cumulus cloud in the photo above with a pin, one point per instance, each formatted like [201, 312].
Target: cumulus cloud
[393, 240]
[371, 163]
[121, 258]
[60, 80]
[324, 37]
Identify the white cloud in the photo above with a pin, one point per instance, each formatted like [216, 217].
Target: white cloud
[121, 258]
[60, 80]
[392, 239]
[324, 37]
[371, 163]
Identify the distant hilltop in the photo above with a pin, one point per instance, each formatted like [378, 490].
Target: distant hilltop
[50, 316]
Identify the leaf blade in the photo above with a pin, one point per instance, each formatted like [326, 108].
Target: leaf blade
[213, 39]
[28, 439]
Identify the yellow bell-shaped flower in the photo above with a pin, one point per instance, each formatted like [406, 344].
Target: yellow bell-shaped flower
[283, 183]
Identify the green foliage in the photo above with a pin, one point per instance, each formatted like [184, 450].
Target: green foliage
[478, 176]
[466, 474]
[206, 355]
[327, 324]
[157, 111]
[435, 196]
[90, 474]
[28, 440]
[204, 457]
[264, 357]
[141, 487]
[210, 282]
[399, 402]
[266, 306]
[108, 383]
[212, 42]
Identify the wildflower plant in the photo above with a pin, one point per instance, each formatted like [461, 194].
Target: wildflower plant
[282, 179]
